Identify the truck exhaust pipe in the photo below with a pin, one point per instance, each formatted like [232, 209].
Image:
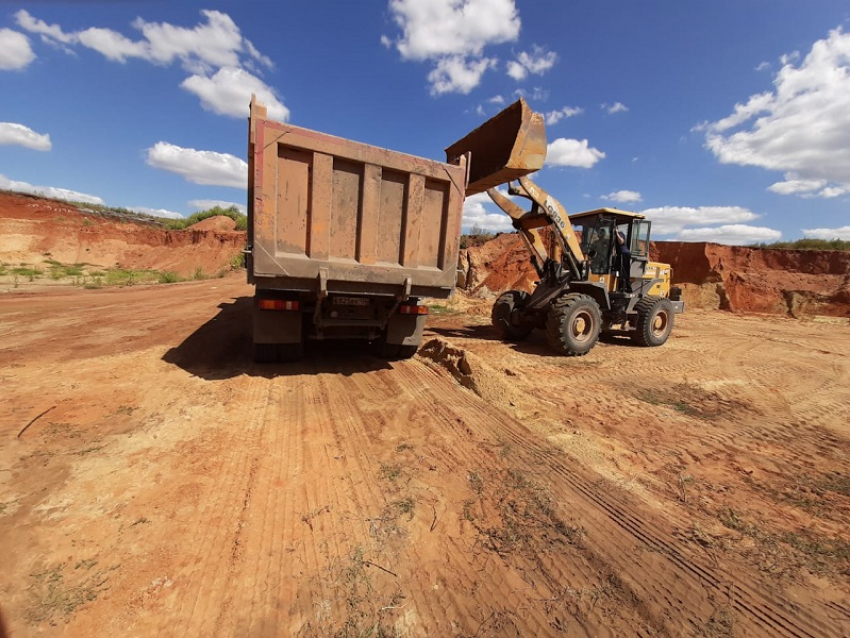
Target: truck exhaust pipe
[509, 145]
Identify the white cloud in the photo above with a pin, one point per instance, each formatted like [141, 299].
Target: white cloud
[828, 233]
[206, 204]
[764, 66]
[623, 197]
[48, 191]
[537, 62]
[538, 94]
[18, 134]
[476, 213]
[668, 220]
[568, 152]
[156, 212]
[807, 188]
[15, 50]
[50, 31]
[452, 34]
[553, 117]
[228, 92]
[801, 127]
[734, 234]
[436, 28]
[200, 167]
[617, 107]
[496, 99]
[214, 52]
[456, 74]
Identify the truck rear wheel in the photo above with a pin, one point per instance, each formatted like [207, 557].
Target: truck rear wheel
[654, 322]
[265, 352]
[503, 314]
[573, 324]
[395, 351]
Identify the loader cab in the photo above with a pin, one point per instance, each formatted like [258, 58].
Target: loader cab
[605, 261]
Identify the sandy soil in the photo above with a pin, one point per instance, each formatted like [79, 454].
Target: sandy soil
[154, 481]
[34, 230]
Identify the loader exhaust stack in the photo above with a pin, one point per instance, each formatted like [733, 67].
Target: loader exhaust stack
[508, 146]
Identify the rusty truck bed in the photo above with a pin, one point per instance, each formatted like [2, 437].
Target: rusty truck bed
[328, 211]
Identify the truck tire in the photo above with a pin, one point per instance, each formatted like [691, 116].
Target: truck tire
[395, 351]
[573, 324]
[654, 322]
[502, 313]
[291, 351]
[265, 352]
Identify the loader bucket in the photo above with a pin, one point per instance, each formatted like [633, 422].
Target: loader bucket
[508, 146]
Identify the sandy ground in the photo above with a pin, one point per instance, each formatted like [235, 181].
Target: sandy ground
[169, 486]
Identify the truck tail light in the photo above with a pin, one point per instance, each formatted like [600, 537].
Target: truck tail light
[278, 304]
[413, 310]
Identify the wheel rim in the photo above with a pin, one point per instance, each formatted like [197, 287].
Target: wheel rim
[660, 323]
[582, 326]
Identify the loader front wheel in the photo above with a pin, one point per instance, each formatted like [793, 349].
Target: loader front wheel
[504, 316]
[654, 322]
[573, 324]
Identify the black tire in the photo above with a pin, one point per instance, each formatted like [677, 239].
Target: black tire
[502, 316]
[291, 351]
[654, 322]
[573, 324]
[395, 351]
[265, 352]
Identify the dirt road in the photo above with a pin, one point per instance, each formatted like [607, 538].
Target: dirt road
[169, 486]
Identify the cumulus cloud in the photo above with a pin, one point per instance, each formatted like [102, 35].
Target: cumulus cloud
[553, 117]
[156, 212]
[20, 135]
[828, 233]
[457, 74]
[15, 50]
[479, 211]
[617, 107]
[48, 191]
[537, 62]
[206, 204]
[216, 54]
[452, 35]
[569, 152]
[718, 224]
[732, 234]
[668, 220]
[801, 127]
[200, 167]
[623, 197]
[228, 92]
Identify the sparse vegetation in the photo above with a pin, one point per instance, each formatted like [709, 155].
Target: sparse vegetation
[808, 244]
[232, 212]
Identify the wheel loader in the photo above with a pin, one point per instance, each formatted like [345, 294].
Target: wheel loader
[595, 276]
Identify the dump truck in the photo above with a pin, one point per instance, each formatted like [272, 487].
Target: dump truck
[346, 239]
[595, 276]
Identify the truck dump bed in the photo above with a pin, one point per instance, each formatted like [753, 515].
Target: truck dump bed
[328, 214]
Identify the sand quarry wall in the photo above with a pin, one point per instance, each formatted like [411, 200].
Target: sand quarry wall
[33, 230]
[787, 282]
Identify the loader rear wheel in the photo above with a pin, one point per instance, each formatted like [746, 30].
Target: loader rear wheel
[573, 324]
[654, 322]
[503, 316]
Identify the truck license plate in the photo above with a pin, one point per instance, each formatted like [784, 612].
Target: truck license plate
[351, 301]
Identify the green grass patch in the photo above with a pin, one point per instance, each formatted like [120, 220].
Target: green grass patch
[216, 211]
[808, 244]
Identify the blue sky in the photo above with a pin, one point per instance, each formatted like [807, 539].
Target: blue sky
[722, 120]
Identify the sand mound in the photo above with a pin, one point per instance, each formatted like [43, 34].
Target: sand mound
[219, 222]
[33, 230]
